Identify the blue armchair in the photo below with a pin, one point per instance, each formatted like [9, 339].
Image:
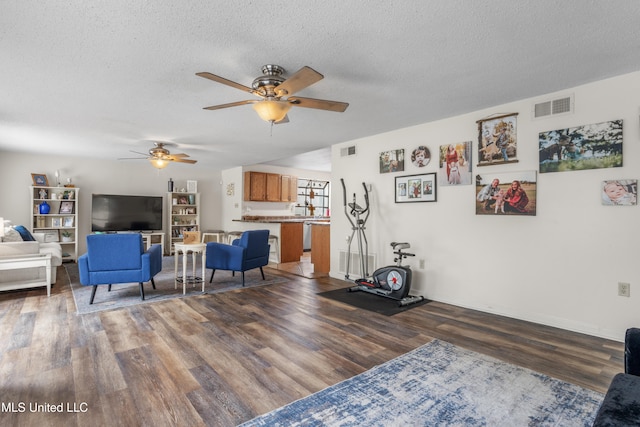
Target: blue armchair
[118, 258]
[250, 251]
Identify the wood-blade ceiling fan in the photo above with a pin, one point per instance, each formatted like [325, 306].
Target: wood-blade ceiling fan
[160, 157]
[276, 93]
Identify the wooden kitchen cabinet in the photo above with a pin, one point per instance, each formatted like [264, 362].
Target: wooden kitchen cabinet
[272, 193]
[261, 187]
[291, 241]
[269, 187]
[255, 186]
[320, 247]
[288, 188]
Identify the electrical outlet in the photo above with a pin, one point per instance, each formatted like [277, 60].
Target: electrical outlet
[422, 264]
[624, 289]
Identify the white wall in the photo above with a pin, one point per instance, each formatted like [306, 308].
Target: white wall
[101, 176]
[559, 268]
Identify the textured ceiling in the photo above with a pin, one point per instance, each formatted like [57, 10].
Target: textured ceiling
[101, 78]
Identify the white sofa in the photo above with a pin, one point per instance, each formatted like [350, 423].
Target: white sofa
[18, 247]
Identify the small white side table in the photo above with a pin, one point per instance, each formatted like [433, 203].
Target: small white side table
[28, 261]
[194, 248]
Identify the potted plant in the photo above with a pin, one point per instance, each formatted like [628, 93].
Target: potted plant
[66, 235]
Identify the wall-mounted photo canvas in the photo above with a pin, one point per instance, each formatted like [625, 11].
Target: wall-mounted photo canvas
[392, 161]
[622, 192]
[455, 164]
[594, 146]
[421, 156]
[497, 140]
[509, 193]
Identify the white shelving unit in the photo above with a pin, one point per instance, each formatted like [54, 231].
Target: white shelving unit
[60, 224]
[184, 215]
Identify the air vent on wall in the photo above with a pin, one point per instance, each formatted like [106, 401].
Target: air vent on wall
[348, 151]
[553, 107]
[354, 263]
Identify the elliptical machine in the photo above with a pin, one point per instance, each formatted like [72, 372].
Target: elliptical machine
[393, 281]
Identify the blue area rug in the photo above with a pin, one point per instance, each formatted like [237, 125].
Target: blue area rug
[440, 384]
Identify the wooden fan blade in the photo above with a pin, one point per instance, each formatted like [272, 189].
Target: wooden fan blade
[137, 152]
[181, 160]
[320, 104]
[232, 104]
[304, 77]
[132, 158]
[179, 155]
[225, 81]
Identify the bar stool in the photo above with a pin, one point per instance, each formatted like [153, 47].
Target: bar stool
[273, 241]
[233, 235]
[219, 235]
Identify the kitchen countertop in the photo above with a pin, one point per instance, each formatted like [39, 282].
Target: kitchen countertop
[281, 219]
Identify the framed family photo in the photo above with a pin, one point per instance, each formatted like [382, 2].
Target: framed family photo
[455, 164]
[66, 207]
[594, 146]
[391, 161]
[509, 193]
[497, 140]
[416, 188]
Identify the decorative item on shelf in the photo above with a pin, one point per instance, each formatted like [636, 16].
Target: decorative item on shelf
[66, 235]
[54, 196]
[40, 180]
[44, 208]
[42, 193]
[191, 237]
[192, 199]
[192, 186]
[57, 178]
[66, 207]
[69, 184]
[170, 185]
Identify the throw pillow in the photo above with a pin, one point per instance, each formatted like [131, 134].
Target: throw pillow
[11, 235]
[24, 233]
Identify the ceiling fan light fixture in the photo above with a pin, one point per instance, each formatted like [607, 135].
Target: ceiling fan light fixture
[159, 163]
[271, 110]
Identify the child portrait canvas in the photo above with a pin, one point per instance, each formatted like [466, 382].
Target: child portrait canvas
[455, 164]
[623, 192]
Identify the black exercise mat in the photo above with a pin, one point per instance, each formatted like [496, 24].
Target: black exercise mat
[370, 302]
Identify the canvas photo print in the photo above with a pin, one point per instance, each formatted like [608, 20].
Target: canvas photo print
[623, 192]
[497, 140]
[512, 193]
[392, 161]
[455, 164]
[593, 146]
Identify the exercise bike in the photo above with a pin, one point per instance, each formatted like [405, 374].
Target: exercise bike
[393, 281]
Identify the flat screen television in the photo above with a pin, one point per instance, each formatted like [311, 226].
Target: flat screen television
[112, 212]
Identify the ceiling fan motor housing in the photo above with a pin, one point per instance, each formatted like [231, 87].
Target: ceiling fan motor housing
[158, 150]
[266, 83]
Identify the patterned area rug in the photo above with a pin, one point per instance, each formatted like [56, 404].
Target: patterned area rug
[128, 294]
[440, 384]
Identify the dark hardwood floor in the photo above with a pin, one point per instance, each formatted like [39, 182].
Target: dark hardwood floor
[223, 359]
